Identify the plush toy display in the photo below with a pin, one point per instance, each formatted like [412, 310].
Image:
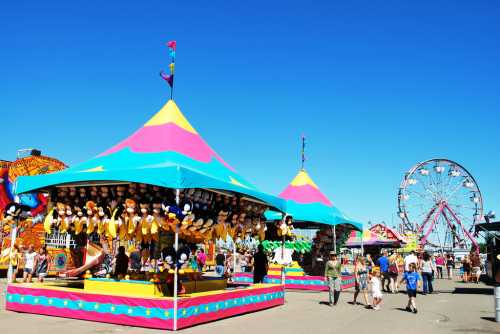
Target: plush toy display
[140, 213]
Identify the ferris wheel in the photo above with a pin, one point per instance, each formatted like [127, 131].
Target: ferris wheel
[440, 201]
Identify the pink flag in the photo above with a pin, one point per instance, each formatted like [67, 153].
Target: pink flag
[172, 45]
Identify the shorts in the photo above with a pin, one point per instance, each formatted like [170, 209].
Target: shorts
[476, 270]
[411, 293]
[334, 283]
[42, 275]
[361, 283]
[219, 270]
[377, 294]
[28, 270]
[386, 275]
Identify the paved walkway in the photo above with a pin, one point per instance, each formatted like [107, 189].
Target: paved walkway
[457, 308]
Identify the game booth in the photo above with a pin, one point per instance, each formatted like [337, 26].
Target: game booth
[374, 239]
[29, 226]
[152, 196]
[308, 208]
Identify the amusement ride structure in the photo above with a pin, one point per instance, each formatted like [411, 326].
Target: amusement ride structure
[440, 202]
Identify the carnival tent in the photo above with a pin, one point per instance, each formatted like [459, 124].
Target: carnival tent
[309, 206]
[368, 238]
[167, 151]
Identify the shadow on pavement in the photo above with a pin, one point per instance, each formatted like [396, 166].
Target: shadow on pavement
[473, 291]
[489, 319]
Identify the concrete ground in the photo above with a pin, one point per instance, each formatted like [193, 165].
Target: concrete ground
[457, 308]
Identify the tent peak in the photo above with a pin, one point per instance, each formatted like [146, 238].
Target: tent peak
[303, 190]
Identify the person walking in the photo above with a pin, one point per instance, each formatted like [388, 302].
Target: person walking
[361, 280]
[43, 264]
[411, 279]
[383, 263]
[30, 257]
[261, 265]
[450, 264]
[466, 269]
[409, 259]
[475, 262]
[376, 289]
[440, 264]
[393, 273]
[333, 275]
[427, 273]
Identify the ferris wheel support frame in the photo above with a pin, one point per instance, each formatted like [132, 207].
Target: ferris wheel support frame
[471, 238]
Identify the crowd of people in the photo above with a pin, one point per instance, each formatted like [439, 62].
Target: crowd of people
[35, 263]
[389, 271]
[373, 275]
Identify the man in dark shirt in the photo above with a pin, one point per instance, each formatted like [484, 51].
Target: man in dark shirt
[121, 265]
[260, 265]
[220, 261]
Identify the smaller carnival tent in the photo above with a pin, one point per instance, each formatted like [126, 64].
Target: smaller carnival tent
[310, 209]
[308, 206]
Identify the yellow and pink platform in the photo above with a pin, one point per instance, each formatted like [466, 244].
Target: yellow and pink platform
[138, 304]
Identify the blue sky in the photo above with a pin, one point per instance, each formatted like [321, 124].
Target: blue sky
[376, 86]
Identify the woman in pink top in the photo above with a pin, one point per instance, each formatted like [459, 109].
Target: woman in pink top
[202, 259]
[440, 263]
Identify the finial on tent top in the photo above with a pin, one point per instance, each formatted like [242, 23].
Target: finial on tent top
[303, 151]
[169, 78]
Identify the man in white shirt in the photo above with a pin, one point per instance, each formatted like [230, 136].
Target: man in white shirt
[410, 258]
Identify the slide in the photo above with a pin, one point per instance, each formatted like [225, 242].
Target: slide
[94, 256]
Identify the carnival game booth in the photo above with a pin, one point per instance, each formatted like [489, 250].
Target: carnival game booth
[28, 226]
[309, 208]
[159, 191]
[373, 240]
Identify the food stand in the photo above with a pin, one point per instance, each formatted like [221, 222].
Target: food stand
[162, 180]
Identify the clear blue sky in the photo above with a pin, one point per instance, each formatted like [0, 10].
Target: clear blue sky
[376, 86]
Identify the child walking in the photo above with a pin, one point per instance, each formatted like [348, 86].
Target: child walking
[411, 278]
[376, 286]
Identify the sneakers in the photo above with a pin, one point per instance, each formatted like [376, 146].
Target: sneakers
[415, 311]
[408, 308]
[376, 308]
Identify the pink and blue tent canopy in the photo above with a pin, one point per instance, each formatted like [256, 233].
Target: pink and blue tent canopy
[167, 151]
[309, 206]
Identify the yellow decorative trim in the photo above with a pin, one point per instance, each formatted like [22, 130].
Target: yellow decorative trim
[95, 169]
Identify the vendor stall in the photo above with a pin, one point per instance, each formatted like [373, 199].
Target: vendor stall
[151, 197]
[306, 208]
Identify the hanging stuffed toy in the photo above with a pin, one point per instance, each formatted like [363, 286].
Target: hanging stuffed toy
[92, 215]
[131, 217]
[78, 221]
[69, 220]
[157, 219]
[61, 215]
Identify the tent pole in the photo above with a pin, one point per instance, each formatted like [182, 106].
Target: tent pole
[176, 247]
[362, 249]
[334, 231]
[13, 235]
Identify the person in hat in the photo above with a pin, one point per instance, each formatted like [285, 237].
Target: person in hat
[333, 275]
